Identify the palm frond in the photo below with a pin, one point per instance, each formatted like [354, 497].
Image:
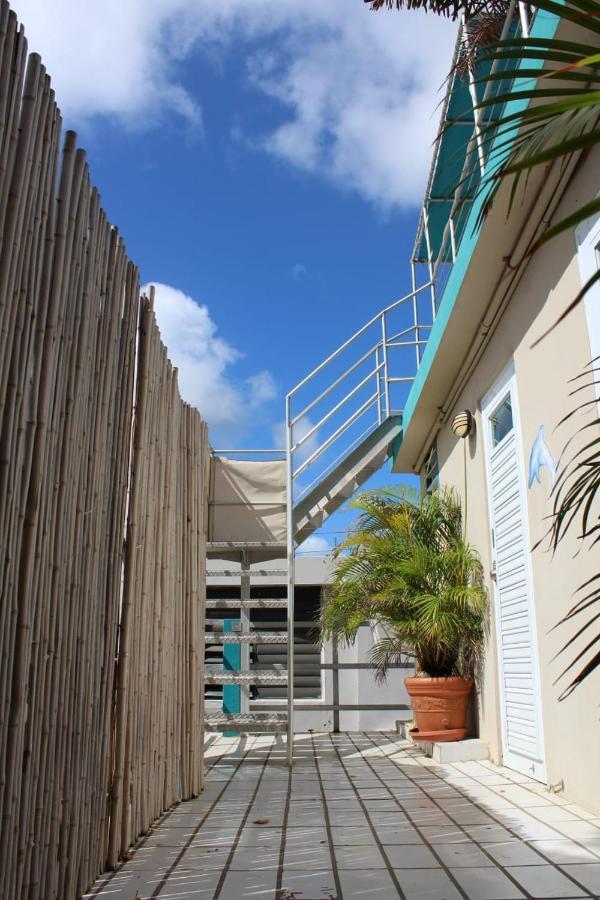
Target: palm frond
[405, 565]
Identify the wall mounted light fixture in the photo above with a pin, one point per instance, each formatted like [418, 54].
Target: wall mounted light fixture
[463, 423]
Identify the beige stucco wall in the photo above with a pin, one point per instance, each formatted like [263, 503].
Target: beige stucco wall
[551, 280]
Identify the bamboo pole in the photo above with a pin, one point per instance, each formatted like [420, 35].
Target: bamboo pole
[103, 491]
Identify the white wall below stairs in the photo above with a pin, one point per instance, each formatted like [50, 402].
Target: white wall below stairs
[360, 687]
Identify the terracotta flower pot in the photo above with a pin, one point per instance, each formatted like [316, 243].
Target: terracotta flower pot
[440, 707]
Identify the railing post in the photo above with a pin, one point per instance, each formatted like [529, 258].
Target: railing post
[452, 239]
[290, 581]
[378, 382]
[477, 114]
[386, 381]
[415, 312]
[524, 17]
[429, 261]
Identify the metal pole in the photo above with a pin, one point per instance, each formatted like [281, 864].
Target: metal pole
[524, 17]
[245, 629]
[415, 311]
[378, 377]
[429, 260]
[452, 239]
[477, 114]
[386, 381]
[336, 685]
[290, 584]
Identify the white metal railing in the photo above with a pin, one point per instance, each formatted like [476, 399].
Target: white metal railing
[353, 390]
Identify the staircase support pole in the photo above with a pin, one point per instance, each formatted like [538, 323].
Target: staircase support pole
[290, 582]
[245, 628]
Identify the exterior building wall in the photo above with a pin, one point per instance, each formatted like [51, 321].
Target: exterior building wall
[543, 374]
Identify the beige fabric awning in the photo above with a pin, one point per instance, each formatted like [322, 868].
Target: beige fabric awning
[247, 501]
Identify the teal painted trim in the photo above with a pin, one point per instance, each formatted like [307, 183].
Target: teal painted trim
[544, 26]
[395, 448]
[232, 661]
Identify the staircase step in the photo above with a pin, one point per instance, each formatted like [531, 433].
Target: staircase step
[217, 675]
[254, 573]
[251, 723]
[247, 604]
[312, 509]
[276, 548]
[254, 637]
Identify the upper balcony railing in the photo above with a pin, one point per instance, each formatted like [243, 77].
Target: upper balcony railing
[460, 158]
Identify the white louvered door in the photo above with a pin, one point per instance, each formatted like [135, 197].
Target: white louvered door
[523, 745]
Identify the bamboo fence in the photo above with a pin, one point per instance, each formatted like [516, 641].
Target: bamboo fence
[103, 486]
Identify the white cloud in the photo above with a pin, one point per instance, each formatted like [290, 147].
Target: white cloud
[300, 432]
[358, 89]
[315, 545]
[262, 388]
[299, 270]
[203, 359]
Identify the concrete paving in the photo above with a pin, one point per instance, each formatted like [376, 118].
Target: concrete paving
[361, 816]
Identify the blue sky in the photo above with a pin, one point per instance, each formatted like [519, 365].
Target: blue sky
[264, 161]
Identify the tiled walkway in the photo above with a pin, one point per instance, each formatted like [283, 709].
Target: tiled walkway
[362, 816]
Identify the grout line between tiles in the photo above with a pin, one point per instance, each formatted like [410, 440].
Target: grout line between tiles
[225, 869]
[491, 815]
[336, 874]
[380, 847]
[174, 865]
[162, 820]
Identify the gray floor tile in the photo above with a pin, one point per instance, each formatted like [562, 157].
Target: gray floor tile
[258, 858]
[564, 852]
[514, 853]
[444, 834]
[411, 856]
[259, 885]
[487, 833]
[586, 874]
[318, 885]
[545, 881]
[306, 857]
[586, 832]
[351, 835]
[462, 855]
[486, 884]
[374, 884]
[398, 834]
[427, 884]
[359, 857]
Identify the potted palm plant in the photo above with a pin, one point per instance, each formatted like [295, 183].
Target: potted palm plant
[407, 568]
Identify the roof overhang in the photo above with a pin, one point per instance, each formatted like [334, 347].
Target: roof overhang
[490, 262]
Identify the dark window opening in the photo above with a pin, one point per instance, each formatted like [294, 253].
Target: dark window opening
[272, 657]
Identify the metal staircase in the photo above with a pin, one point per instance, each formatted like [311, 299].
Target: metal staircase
[341, 423]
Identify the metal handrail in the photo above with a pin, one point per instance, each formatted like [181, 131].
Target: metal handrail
[379, 373]
[335, 383]
[337, 407]
[336, 434]
[355, 336]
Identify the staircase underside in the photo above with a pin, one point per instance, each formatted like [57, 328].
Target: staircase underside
[343, 481]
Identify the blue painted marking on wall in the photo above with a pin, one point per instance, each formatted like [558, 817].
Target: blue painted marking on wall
[541, 458]
[232, 660]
